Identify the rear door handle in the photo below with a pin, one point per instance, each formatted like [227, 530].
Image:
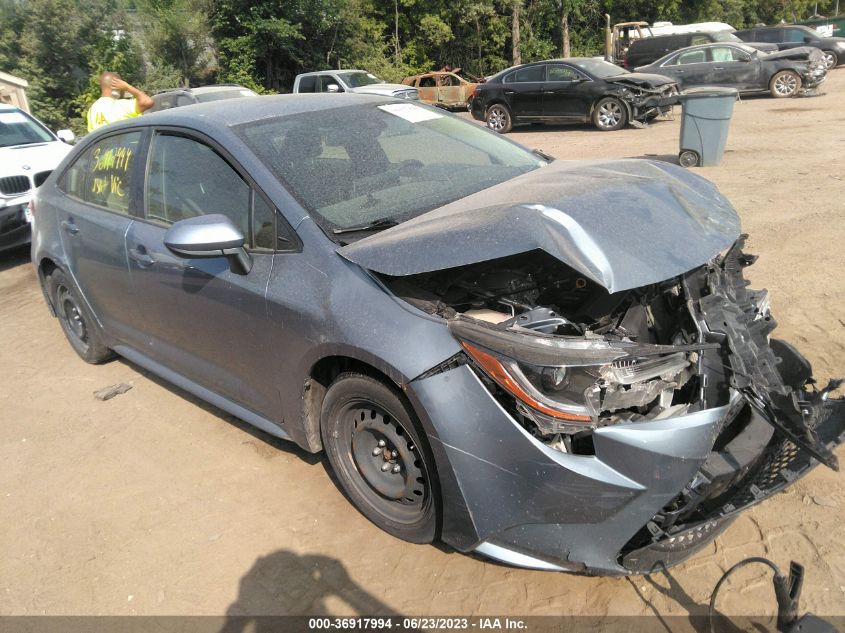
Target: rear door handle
[719, 67]
[70, 227]
[139, 254]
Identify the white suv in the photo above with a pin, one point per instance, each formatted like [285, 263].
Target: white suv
[28, 153]
[359, 81]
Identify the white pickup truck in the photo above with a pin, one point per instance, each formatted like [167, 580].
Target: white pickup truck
[359, 81]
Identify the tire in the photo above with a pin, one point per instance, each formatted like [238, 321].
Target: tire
[380, 457]
[77, 322]
[689, 158]
[499, 118]
[831, 60]
[785, 83]
[610, 114]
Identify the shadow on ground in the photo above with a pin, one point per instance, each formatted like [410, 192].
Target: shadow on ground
[14, 257]
[287, 583]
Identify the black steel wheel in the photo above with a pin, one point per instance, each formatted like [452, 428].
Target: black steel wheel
[379, 456]
[77, 322]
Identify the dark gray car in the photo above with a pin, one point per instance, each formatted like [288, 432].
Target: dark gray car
[555, 364]
[781, 74]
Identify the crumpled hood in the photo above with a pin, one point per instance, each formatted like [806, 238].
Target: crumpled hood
[37, 157]
[623, 224]
[800, 52]
[645, 80]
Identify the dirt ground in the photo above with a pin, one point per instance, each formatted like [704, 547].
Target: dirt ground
[156, 503]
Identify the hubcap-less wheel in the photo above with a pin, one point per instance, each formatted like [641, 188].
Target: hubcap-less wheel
[786, 84]
[498, 119]
[830, 59]
[388, 464]
[71, 315]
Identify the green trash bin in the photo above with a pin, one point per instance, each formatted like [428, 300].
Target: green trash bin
[705, 118]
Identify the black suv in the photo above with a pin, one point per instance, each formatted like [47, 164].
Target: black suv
[792, 35]
[649, 49]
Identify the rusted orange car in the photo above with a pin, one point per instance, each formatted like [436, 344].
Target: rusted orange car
[444, 89]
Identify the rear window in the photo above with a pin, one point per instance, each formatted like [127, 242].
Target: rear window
[356, 164]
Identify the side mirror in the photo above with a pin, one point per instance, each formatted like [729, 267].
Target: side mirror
[333, 88]
[66, 136]
[210, 236]
[808, 39]
[745, 58]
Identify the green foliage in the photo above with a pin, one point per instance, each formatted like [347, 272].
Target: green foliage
[61, 46]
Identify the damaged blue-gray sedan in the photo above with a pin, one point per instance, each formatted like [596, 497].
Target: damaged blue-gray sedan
[555, 364]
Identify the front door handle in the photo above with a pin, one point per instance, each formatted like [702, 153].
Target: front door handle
[719, 68]
[141, 256]
[509, 92]
[70, 226]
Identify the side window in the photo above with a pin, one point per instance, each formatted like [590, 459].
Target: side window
[532, 73]
[73, 180]
[307, 84]
[697, 39]
[263, 223]
[109, 165]
[692, 57]
[794, 35]
[561, 73]
[427, 82]
[770, 35]
[723, 54]
[188, 179]
[328, 80]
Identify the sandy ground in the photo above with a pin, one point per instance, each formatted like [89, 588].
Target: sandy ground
[155, 503]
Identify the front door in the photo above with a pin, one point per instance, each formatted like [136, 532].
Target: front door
[565, 93]
[95, 214]
[204, 321]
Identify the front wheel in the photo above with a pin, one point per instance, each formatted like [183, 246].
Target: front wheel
[785, 83]
[831, 60]
[610, 114]
[380, 457]
[499, 119]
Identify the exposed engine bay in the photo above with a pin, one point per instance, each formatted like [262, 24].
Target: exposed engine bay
[563, 355]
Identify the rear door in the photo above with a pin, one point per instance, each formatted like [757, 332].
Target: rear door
[566, 93]
[690, 68]
[523, 90]
[101, 195]
[204, 321]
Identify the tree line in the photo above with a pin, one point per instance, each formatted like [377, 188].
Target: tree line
[60, 46]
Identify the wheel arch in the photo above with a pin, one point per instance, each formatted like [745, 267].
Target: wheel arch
[46, 266]
[323, 371]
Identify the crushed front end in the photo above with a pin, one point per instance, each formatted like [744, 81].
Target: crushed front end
[647, 101]
[654, 415]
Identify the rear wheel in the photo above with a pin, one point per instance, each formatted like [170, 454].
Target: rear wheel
[380, 456]
[785, 83]
[499, 118]
[610, 114]
[76, 320]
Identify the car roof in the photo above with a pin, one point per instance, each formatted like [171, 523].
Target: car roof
[232, 112]
[202, 89]
[333, 70]
[8, 106]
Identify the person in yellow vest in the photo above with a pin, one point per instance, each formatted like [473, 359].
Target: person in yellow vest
[109, 108]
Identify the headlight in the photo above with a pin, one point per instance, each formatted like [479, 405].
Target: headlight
[574, 379]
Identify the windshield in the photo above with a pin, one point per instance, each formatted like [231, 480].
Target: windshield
[228, 93]
[724, 36]
[599, 68]
[358, 164]
[359, 78]
[18, 128]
